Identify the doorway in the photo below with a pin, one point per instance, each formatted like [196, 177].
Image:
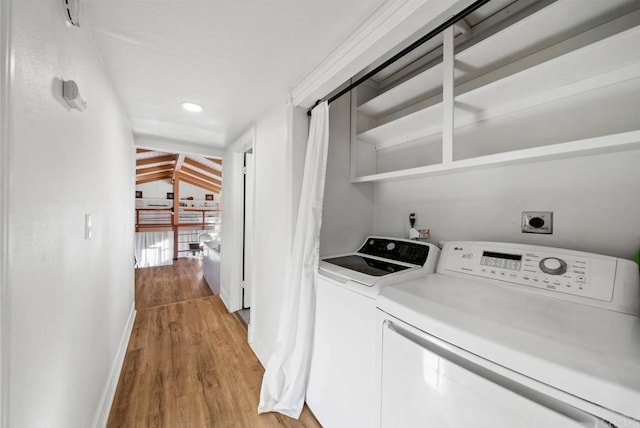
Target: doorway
[248, 185]
[247, 227]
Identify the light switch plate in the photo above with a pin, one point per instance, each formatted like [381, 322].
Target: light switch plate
[537, 222]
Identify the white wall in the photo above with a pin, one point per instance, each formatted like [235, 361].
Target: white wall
[160, 188]
[231, 241]
[595, 201]
[69, 299]
[155, 189]
[272, 231]
[347, 215]
[5, 86]
[279, 144]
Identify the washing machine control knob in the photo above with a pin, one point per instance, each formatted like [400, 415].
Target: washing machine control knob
[553, 266]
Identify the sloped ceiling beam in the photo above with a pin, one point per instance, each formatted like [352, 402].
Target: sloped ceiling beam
[178, 166]
[161, 168]
[186, 170]
[204, 168]
[154, 177]
[197, 182]
[158, 159]
[180, 161]
[214, 160]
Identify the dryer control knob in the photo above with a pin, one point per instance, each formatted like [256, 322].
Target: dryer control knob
[553, 266]
[391, 246]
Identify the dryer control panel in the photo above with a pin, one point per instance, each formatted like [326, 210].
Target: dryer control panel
[555, 270]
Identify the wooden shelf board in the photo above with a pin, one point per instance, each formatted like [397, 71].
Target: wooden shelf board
[605, 144]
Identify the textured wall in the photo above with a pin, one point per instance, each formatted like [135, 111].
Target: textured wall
[595, 201]
[70, 298]
[347, 216]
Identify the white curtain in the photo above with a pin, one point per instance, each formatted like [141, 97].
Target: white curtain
[285, 380]
[153, 249]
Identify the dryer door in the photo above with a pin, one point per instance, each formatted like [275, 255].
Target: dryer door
[428, 382]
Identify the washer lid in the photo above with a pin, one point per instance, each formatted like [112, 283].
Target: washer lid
[589, 352]
[366, 265]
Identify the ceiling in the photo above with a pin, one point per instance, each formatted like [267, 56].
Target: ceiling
[237, 58]
[200, 171]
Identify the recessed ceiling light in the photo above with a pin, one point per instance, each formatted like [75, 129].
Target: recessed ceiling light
[192, 107]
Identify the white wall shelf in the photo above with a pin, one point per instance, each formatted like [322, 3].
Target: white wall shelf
[591, 146]
[525, 36]
[557, 53]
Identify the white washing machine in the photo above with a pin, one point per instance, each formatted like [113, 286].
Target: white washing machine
[508, 335]
[340, 391]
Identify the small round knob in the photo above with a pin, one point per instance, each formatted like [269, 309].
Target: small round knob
[553, 266]
[391, 246]
[371, 241]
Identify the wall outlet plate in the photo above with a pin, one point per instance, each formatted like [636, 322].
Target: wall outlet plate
[537, 222]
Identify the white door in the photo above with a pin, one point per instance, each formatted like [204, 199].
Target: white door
[428, 382]
[249, 186]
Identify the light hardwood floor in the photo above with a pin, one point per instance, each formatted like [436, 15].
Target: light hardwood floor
[188, 364]
[163, 285]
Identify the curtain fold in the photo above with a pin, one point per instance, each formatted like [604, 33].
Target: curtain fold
[285, 379]
[153, 248]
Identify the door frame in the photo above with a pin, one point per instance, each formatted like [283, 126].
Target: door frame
[248, 227]
[233, 230]
[6, 76]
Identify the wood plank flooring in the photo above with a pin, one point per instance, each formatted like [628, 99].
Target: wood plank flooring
[163, 285]
[188, 364]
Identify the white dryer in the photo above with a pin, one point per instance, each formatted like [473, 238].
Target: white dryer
[508, 335]
[340, 392]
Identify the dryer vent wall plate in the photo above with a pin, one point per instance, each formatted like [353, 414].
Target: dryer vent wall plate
[71, 11]
[537, 222]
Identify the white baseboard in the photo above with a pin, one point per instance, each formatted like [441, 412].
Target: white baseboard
[225, 299]
[106, 400]
[261, 351]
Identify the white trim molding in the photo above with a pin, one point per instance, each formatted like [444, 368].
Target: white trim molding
[245, 141]
[260, 351]
[108, 393]
[6, 76]
[175, 146]
[392, 23]
[232, 230]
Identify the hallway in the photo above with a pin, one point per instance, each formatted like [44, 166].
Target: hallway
[164, 285]
[188, 363]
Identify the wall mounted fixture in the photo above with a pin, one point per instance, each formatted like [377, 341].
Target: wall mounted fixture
[71, 10]
[537, 222]
[72, 96]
